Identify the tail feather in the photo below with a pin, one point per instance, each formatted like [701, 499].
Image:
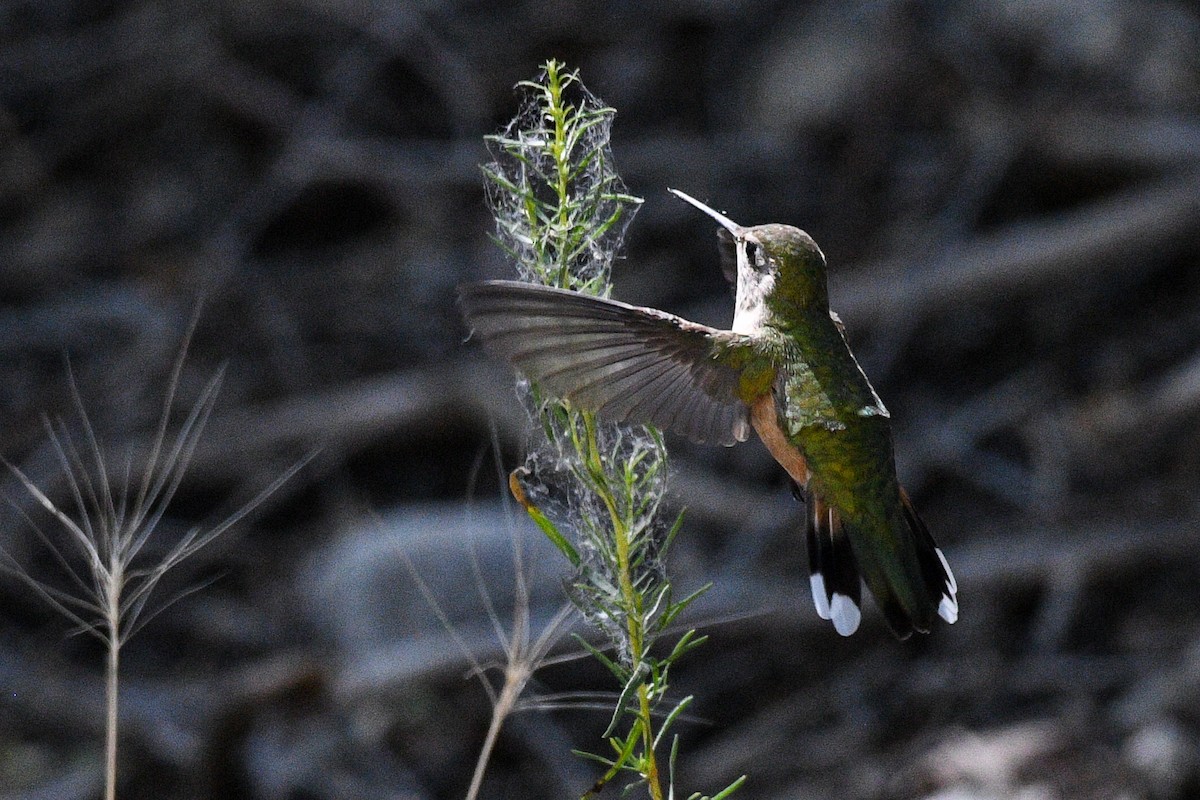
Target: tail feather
[837, 570]
[833, 571]
[939, 580]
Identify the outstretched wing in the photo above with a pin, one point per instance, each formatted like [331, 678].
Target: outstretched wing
[624, 362]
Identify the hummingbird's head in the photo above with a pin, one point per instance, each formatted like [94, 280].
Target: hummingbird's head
[777, 268]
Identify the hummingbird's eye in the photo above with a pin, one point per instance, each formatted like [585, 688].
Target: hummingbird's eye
[754, 255]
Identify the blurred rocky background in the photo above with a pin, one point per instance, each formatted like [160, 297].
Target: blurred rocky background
[1009, 198]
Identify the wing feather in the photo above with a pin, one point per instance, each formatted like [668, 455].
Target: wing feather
[624, 362]
[645, 399]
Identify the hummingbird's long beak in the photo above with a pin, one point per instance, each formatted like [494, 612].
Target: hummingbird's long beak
[724, 221]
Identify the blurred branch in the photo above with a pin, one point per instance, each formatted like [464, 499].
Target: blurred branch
[1159, 403]
[1107, 237]
[1108, 141]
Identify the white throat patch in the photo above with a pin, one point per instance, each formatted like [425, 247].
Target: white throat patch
[753, 286]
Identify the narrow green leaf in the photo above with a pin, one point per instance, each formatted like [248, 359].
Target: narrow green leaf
[671, 717]
[730, 789]
[671, 534]
[676, 608]
[539, 519]
[607, 762]
[616, 669]
[622, 704]
[685, 645]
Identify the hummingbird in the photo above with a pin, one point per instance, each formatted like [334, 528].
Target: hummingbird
[784, 370]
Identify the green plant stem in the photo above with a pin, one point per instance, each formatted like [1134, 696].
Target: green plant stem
[652, 780]
[562, 166]
[633, 603]
[551, 213]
